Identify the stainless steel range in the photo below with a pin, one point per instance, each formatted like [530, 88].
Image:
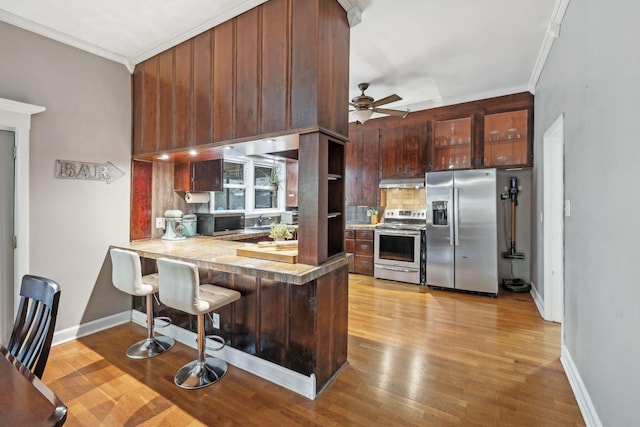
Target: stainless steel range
[400, 246]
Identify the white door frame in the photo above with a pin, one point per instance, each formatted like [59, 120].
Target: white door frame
[16, 117]
[553, 223]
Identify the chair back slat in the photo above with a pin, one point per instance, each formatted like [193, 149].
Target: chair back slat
[33, 329]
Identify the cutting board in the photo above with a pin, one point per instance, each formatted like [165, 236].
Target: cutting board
[269, 253]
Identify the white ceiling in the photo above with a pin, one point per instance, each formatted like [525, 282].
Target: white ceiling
[430, 52]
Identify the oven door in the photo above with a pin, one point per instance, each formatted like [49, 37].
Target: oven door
[397, 248]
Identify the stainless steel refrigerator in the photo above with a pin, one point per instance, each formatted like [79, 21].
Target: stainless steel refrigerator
[462, 238]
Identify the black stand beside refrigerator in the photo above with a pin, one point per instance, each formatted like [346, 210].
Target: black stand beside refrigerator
[462, 238]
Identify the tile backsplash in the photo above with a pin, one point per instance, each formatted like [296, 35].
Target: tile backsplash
[391, 198]
[405, 198]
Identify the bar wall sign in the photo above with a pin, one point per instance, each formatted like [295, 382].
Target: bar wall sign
[71, 169]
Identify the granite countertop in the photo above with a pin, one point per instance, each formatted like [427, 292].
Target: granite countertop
[357, 226]
[217, 254]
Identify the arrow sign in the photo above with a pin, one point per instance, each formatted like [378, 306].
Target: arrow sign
[71, 169]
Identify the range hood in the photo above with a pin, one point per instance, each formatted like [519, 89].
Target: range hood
[402, 183]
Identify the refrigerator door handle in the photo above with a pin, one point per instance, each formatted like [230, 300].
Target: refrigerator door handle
[456, 218]
[450, 216]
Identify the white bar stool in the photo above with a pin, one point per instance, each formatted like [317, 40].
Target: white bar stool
[180, 288]
[127, 276]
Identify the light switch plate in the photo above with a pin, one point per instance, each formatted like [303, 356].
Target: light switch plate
[159, 222]
[567, 208]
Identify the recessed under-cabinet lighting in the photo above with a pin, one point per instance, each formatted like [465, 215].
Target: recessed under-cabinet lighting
[164, 157]
[193, 152]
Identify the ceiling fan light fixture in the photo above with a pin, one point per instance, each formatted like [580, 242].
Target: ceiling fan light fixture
[362, 115]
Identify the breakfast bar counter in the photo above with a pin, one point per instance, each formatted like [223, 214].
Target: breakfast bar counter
[289, 325]
[218, 253]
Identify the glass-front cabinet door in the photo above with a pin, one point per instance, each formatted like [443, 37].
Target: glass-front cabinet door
[452, 144]
[505, 139]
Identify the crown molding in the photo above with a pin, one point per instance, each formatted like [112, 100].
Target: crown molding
[354, 13]
[190, 32]
[128, 62]
[61, 37]
[552, 33]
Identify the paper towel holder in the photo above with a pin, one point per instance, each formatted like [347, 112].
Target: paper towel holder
[196, 197]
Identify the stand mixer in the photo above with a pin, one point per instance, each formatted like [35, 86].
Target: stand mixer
[173, 225]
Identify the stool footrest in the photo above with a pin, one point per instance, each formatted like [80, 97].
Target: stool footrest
[167, 321]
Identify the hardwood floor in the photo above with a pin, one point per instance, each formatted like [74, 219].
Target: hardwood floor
[417, 357]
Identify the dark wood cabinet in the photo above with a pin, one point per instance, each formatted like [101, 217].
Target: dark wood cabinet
[292, 184]
[141, 200]
[198, 176]
[403, 149]
[321, 198]
[414, 150]
[391, 158]
[362, 172]
[493, 132]
[506, 139]
[349, 240]
[452, 144]
[363, 252]
[277, 68]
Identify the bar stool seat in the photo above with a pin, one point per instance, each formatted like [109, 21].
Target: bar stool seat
[127, 277]
[180, 288]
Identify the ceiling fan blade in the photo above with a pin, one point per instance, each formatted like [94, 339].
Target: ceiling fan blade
[386, 100]
[397, 113]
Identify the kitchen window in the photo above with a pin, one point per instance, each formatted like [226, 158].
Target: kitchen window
[249, 186]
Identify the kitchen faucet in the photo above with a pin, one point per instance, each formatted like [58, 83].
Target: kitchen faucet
[261, 219]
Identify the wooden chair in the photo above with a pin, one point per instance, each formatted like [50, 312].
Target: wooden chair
[35, 323]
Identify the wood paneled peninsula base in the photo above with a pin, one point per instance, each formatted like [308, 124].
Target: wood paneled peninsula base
[289, 326]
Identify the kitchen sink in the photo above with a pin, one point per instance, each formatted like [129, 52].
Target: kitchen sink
[259, 227]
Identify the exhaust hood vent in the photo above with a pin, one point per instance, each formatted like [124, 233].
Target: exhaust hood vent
[402, 183]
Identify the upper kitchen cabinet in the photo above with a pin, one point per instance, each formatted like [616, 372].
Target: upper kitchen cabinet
[276, 69]
[506, 139]
[198, 176]
[452, 144]
[403, 151]
[292, 184]
[362, 162]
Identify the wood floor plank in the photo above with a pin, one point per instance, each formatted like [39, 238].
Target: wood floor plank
[416, 357]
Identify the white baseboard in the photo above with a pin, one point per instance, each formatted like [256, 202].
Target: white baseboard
[291, 380]
[92, 327]
[587, 409]
[537, 299]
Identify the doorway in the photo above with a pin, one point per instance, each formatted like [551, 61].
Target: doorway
[7, 185]
[15, 117]
[553, 187]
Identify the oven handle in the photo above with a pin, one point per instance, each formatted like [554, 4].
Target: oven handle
[398, 232]
[399, 269]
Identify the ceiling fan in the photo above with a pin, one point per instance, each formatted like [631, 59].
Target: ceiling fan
[365, 105]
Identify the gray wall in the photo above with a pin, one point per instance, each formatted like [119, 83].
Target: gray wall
[593, 76]
[88, 118]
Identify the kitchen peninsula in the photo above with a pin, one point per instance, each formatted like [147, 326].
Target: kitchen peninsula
[292, 315]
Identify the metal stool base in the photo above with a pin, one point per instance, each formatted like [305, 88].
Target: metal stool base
[150, 347]
[198, 374]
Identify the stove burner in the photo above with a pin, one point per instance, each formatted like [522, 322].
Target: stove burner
[402, 219]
